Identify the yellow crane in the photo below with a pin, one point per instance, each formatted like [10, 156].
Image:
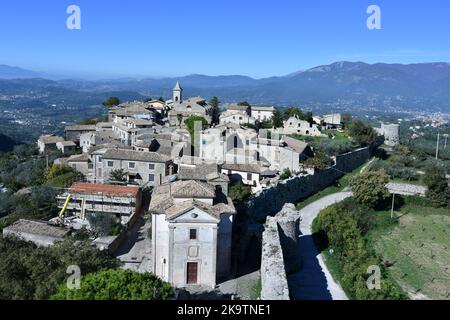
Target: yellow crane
[61, 213]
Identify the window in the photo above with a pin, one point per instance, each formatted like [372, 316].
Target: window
[131, 165]
[110, 164]
[99, 159]
[192, 234]
[151, 166]
[249, 176]
[151, 177]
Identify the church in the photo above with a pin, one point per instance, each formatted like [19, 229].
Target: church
[183, 109]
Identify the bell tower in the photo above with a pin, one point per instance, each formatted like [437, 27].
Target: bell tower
[177, 93]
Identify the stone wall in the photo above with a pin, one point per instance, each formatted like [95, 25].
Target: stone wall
[274, 285]
[269, 201]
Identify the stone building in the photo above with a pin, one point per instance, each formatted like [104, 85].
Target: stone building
[294, 125]
[237, 117]
[47, 143]
[262, 113]
[66, 147]
[191, 234]
[40, 233]
[391, 133]
[73, 133]
[329, 121]
[146, 169]
[183, 109]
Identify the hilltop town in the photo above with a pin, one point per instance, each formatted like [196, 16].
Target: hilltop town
[201, 194]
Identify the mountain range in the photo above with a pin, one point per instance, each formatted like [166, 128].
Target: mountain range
[340, 85]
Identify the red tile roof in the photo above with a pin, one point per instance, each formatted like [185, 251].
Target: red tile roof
[105, 189]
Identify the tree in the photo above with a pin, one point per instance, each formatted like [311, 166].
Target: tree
[244, 104]
[346, 120]
[238, 192]
[292, 112]
[286, 174]
[148, 100]
[369, 188]
[320, 161]
[102, 223]
[111, 102]
[57, 170]
[31, 272]
[190, 124]
[118, 175]
[161, 99]
[215, 109]
[117, 284]
[277, 119]
[438, 190]
[363, 134]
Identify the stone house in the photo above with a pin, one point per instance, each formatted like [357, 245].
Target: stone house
[294, 125]
[147, 169]
[66, 147]
[47, 143]
[262, 113]
[329, 121]
[248, 174]
[73, 133]
[191, 234]
[40, 233]
[237, 117]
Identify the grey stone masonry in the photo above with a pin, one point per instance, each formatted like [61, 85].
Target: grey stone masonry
[274, 285]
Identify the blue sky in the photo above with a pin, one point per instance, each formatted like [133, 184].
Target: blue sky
[256, 38]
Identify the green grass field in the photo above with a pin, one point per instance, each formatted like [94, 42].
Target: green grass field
[418, 248]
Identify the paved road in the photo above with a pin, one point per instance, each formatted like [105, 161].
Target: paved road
[314, 281]
[136, 251]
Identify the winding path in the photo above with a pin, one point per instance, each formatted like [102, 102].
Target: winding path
[314, 281]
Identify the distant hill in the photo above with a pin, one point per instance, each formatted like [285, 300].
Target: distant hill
[8, 72]
[349, 86]
[6, 143]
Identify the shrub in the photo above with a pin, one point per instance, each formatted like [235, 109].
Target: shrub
[438, 190]
[286, 174]
[102, 223]
[340, 230]
[117, 284]
[31, 272]
[369, 188]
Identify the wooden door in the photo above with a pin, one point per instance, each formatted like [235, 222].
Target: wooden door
[192, 271]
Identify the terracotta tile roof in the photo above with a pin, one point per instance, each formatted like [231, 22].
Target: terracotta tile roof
[105, 189]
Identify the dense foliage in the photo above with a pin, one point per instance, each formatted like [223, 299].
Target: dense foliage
[239, 192]
[112, 101]
[117, 284]
[363, 134]
[438, 189]
[341, 228]
[369, 188]
[31, 188]
[31, 272]
[190, 124]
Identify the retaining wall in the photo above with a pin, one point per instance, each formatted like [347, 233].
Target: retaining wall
[268, 202]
